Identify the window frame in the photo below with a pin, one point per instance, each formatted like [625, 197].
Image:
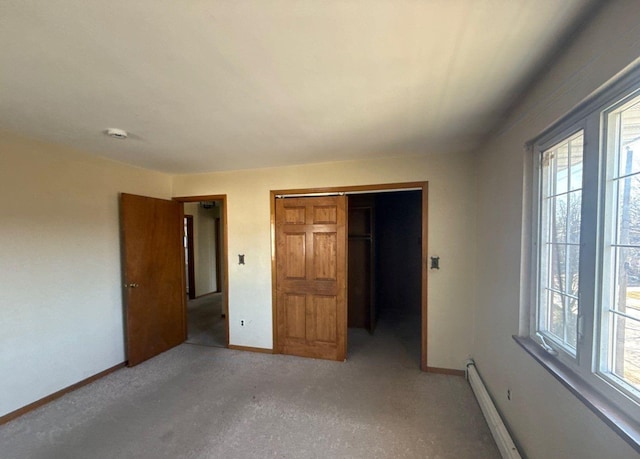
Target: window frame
[541, 146]
[582, 373]
[606, 224]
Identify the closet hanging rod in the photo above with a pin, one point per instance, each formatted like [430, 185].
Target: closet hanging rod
[343, 193]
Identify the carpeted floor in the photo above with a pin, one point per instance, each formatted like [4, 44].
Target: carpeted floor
[205, 326]
[207, 402]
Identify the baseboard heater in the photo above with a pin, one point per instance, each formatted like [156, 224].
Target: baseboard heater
[498, 430]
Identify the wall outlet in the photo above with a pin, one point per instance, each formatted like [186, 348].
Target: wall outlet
[508, 394]
[242, 323]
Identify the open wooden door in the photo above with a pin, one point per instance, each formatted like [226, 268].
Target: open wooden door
[311, 270]
[153, 266]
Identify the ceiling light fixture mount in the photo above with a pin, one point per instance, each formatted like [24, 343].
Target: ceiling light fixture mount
[117, 133]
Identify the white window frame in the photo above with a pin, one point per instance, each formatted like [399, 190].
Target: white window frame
[585, 364]
[541, 146]
[605, 242]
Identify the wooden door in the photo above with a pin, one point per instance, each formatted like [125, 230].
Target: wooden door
[153, 275]
[311, 269]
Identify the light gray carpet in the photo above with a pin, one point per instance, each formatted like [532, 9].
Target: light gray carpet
[205, 402]
[205, 326]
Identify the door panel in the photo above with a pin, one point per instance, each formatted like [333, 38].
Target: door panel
[325, 214]
[294, 215]
[324, 256]
[325, 309]
[311, 277]
[295, 252]
[295, 316]
[153, 275]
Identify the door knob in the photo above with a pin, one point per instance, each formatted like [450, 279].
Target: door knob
[132, 285]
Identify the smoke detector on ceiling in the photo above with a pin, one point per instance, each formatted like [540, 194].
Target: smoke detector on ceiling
[116, 133]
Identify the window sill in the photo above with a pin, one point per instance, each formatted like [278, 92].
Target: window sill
[622, 424]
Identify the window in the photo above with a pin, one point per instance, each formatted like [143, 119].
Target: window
[586, 243]
[620, 322]
[560, 215]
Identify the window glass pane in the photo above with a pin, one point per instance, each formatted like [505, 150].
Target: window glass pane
[558, 267]
[625, 348]
[574, 216]
[556, 317]
[562, 168]
[575, 163]
[633, 236]
[629, 140]
[563, 319]
[628, 215]
[573, 267]
[627, 279]
[559, 229]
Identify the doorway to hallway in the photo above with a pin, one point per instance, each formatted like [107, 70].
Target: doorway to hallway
[205, 270]
[206, 324]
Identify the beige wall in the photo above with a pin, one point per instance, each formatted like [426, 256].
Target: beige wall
[547, 420]
[451, 236]
[206, 234]
[60, 278]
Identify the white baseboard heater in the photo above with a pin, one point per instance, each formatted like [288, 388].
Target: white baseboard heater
[498, 430]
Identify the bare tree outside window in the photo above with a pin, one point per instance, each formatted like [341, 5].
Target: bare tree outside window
[560, 218]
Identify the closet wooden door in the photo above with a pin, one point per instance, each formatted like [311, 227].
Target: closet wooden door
[311, 269]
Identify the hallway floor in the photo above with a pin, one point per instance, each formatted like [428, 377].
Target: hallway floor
[207, 402]
[205, 326]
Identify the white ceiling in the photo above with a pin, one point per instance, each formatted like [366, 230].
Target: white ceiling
[219, 85]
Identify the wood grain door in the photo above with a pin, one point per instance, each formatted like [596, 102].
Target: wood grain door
[153, 275]
[311, 269]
